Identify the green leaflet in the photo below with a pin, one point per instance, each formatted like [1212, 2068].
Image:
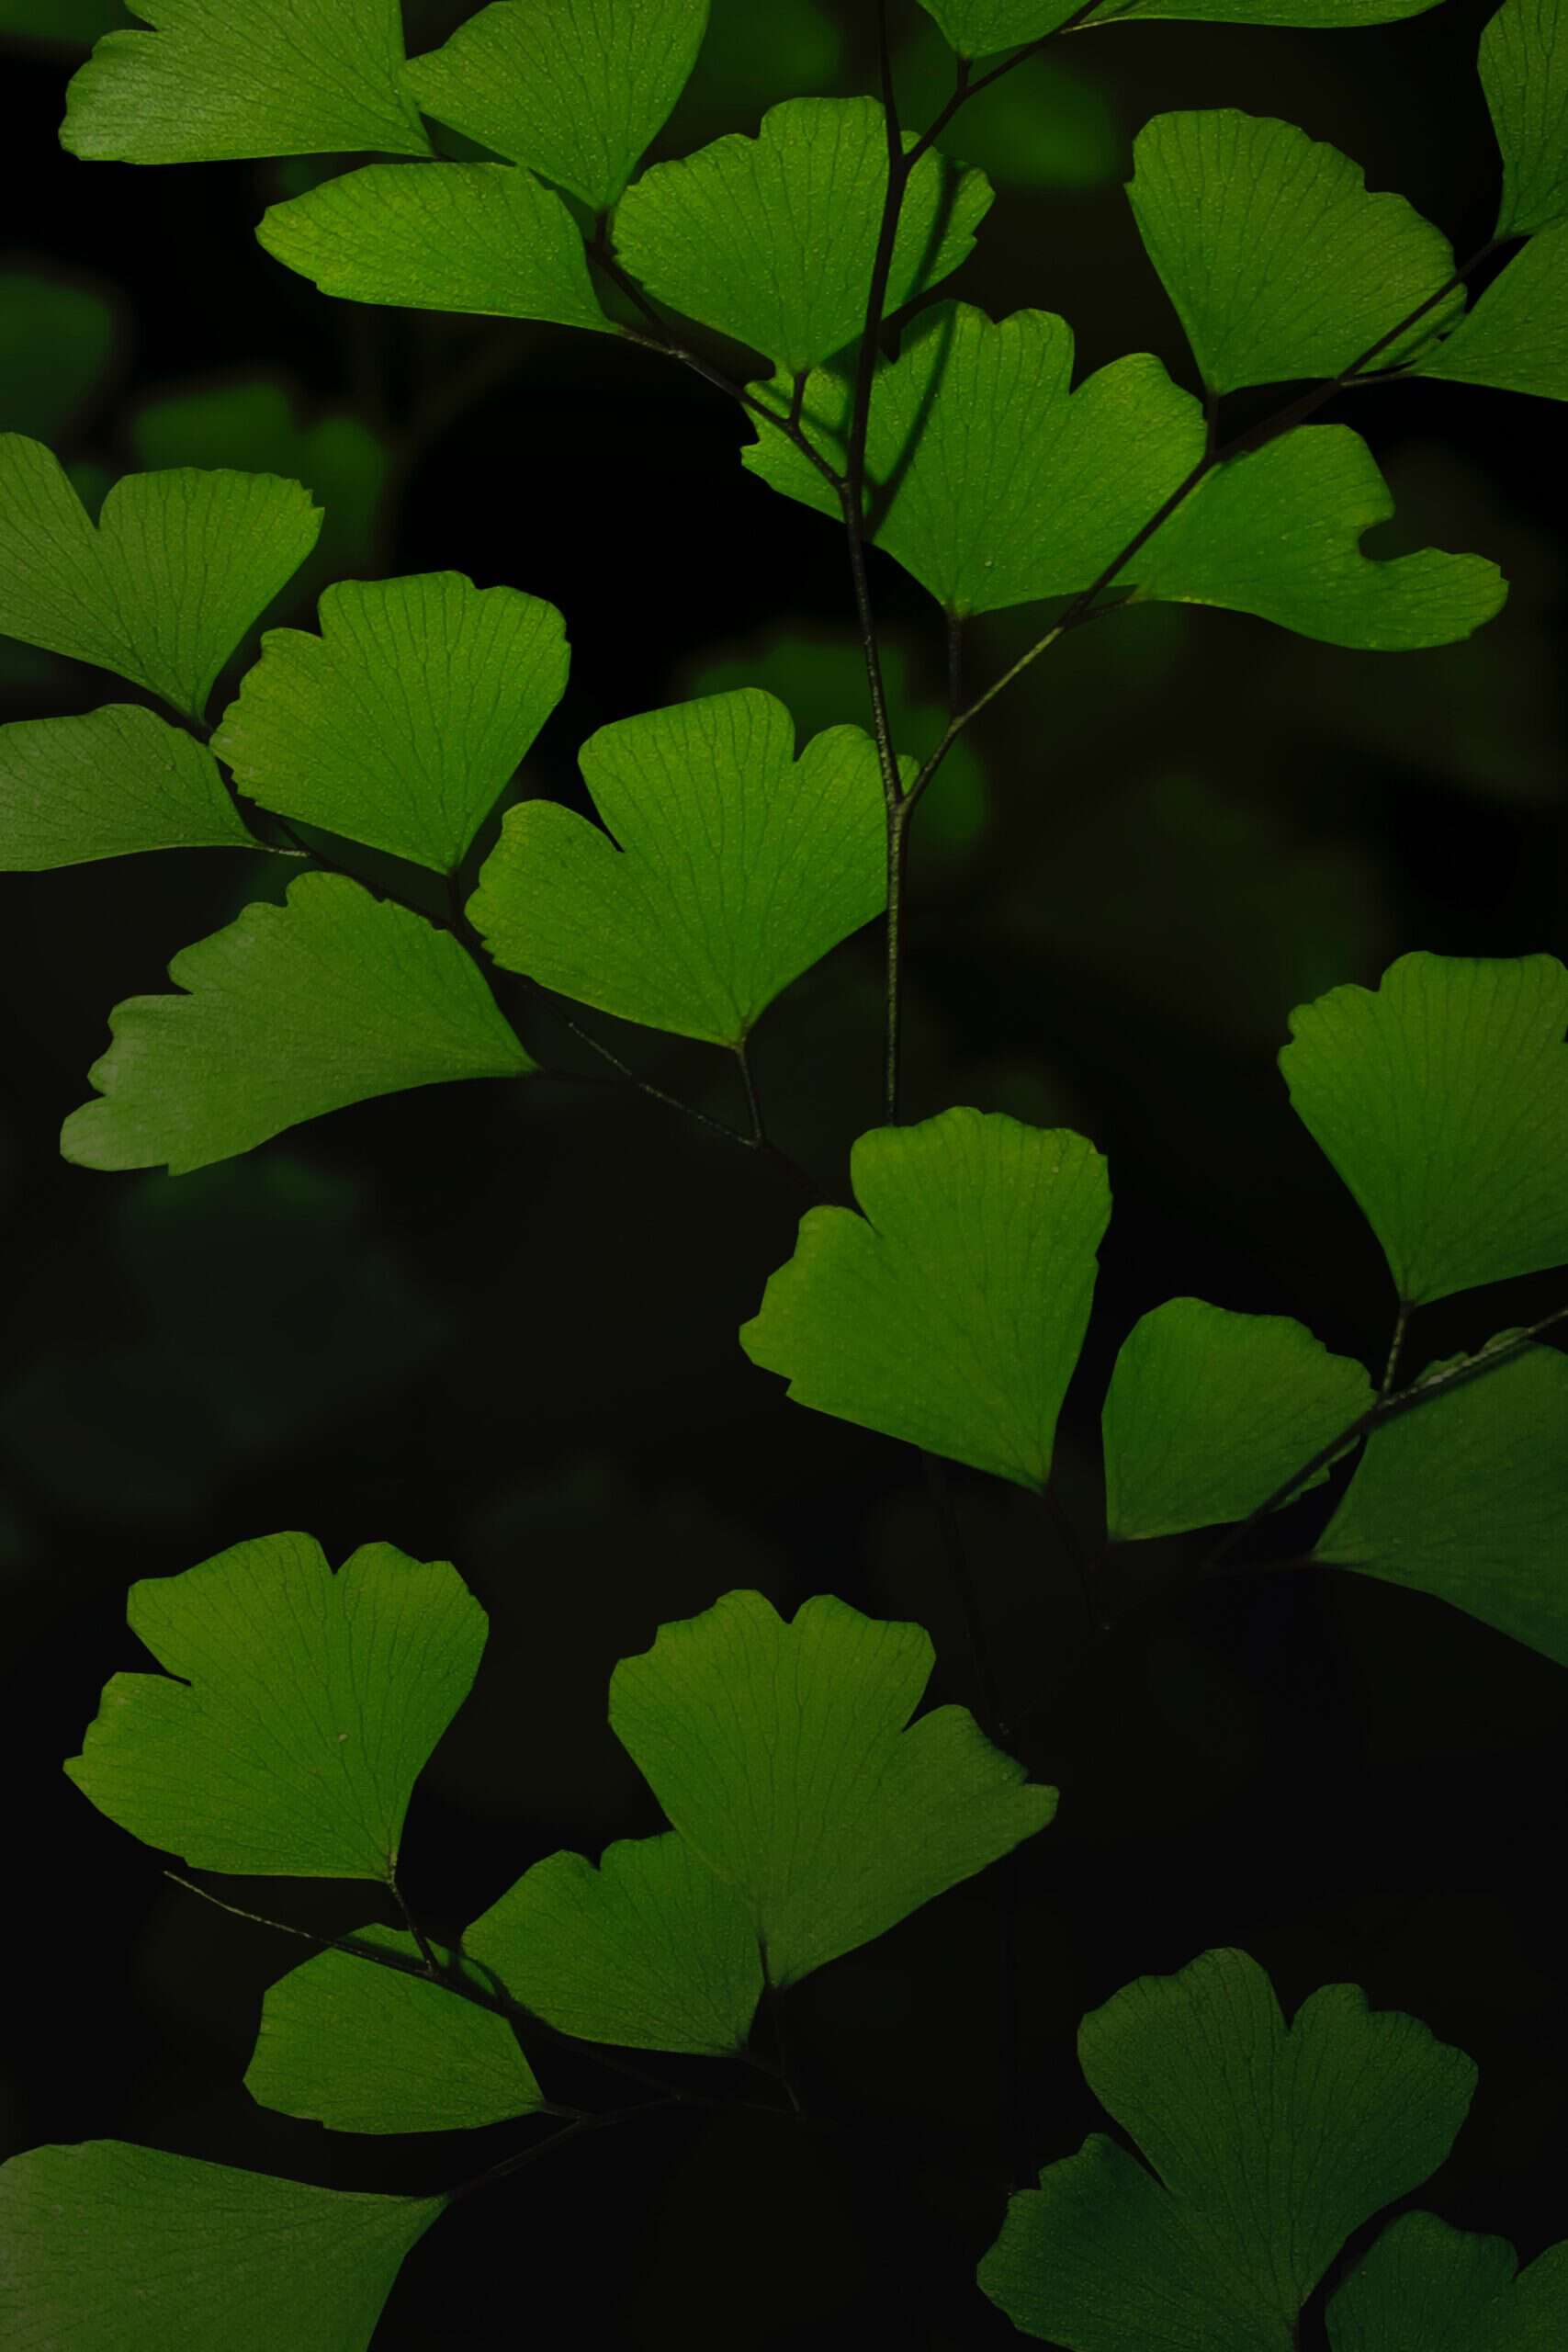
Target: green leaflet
[166, 585]
[1426, 2288]
[480, 237]
[1524, 69]
[737, 866]
[1277, 259]
[111, 2248]
[57, 342]
[981, 28]
[228, 78]
[117, 780]
[403, 721]
[779, 1752]
[306, 1705]
[1268, 2146]
[1442, 1097]
[1466, 1496]
[772, 240]
[1208, 1412]
[950, 1312]
[576, 89]
[1516, 335]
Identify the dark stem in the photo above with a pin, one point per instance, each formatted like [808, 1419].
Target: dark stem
[753, 1105]
[1401, 1325]
[426, 1949]
[898, 880]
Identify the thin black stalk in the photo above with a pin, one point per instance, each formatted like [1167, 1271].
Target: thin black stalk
[1396, 1348]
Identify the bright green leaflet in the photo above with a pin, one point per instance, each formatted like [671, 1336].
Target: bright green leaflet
[56, 347]
[576, 89]
[1006, 486]
[1467, 1498]
[1516, 335]
[779, 1752]
[950, 1312]
[1426, 2288]
[739, 866]
[117, 780]
[649, 1950]
[111, 2248]
[306, 1701]
[361, 2048]
[486, 238]
[166, 585]
[218, 79]
[291, 1012]
[1208, 1412]
[772, 240]
[403, 721]
[1267, 2148]
[1442, 1097]
[1277, 259]
[1524, 68]
[981, 28]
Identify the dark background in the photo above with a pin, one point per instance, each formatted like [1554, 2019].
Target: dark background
[496, 1323]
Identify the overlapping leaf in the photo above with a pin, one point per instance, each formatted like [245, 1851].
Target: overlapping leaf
[737, 866]
[402, 723]
[1427, 2287]
[229, 78]
[1515, 336]
[163, 587]
[780, 1753]
[772, 239]
[1267, 2147]
[576, 89]
[291, 1012]
[1442, 1097]
[117, 780]
[1209, 1412]
[980, 28]
[486, 238]
[296, 1711]
[1524, 69]
[950, 1312]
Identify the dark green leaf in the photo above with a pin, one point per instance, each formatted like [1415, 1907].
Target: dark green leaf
[1516, 335]
[1524, 67]
[117, 780]
[1426, 2288]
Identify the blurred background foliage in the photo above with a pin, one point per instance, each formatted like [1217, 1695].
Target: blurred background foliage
[497, 1323]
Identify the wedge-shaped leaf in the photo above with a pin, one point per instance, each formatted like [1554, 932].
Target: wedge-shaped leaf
[111, 2248]
[1516, 336]
[1427, 2287]
[1265, 2148]
[1278, 260]
[164, 588]
[480, 237]
[980, 28]
[1466, 1496]
[298, 1708]
[780, 1753]
[1208, 1412]
[950, 1312]
[988, 478]
[402, 723]
[57, 348]
[1524, 68]
[575, 89]
[1442, 1097]
[291, 1013]
[649, 1950]
[363, 2048]
[117, 780]
[772, 240]
[737, 866]
[223, 78]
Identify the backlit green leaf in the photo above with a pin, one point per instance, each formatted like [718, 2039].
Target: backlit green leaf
[1524, 68]
[729, 866]
[482, 237]
[299, 1705]
[117, 780]
[950, 1312]
[1267, 2147]
[1442, 1097]
[1426, 2288]
[772, 240]
[1515, 336]
[1466, 1496]
[223, 78]
[980, 28]
[402, 723]
[576, 89]
[1208, 1412]
[111, 2248]
[166, 585]
[56, 347]
[779, 1752]
[291, 1012]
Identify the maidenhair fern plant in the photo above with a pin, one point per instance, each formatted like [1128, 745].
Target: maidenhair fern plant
[810, 1806]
